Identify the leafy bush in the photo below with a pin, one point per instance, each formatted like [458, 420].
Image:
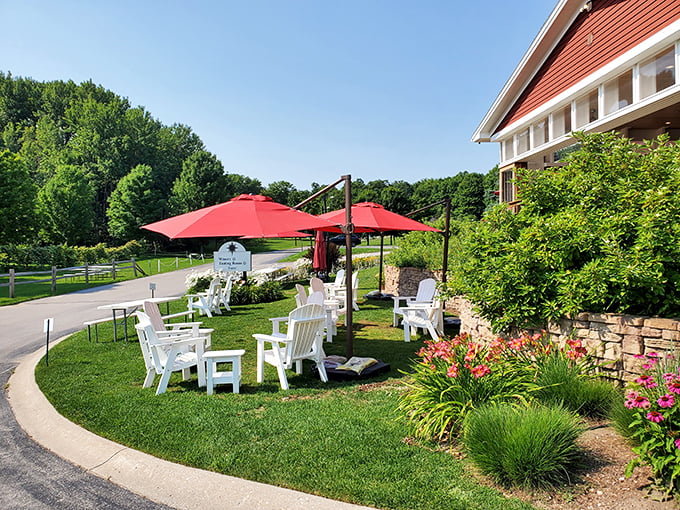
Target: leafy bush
[654, 398]
[529, 447]
[248, 293]
[601, 234]
[418, 249]
[29, 257]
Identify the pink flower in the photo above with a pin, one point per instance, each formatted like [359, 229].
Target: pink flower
[669, 376]
[673, 387]
[666, 401]
[638, 401]
[639, 356]
[480, 371]
[473, 350]
[677, 444]
[646, 381]
[452, 371]
[654, 416]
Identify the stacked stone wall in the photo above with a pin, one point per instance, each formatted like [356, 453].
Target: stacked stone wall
[615, 339]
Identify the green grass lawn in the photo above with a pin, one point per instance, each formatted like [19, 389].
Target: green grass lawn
[340, 440]
[28, 291]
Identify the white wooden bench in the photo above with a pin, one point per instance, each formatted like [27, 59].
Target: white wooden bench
[95, 323]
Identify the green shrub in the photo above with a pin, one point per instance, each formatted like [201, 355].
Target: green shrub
[599, 234]
[527, 447]
[418, 249]
[248, 293]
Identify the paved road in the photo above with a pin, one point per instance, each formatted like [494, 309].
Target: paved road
[31, 477]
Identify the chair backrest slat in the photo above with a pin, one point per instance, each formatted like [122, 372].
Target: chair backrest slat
[426, 289]
[305, 327]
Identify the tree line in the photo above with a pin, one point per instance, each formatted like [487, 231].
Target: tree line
[79, 165]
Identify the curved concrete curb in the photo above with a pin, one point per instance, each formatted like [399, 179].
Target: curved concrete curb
[161, 481]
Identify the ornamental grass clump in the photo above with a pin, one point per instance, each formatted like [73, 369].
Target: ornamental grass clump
[654, 398]
[532, 447]
[567, 377]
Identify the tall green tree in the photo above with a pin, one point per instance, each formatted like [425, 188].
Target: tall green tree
[134, 203]
[468, 200]
[202, 183]
[17, 200]
[280, 191]
[66, 207]
[240, 185]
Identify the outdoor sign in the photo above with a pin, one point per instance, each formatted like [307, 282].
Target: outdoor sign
[232, 256]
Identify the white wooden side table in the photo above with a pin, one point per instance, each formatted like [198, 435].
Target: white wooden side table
[214, 377]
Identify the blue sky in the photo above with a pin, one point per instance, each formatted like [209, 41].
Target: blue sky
[295, 90]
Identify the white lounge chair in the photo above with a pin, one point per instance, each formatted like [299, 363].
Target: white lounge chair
[426, 316]
[425, 295]
[207, 302]
[194, 328]
[168, 352]
[301, 341]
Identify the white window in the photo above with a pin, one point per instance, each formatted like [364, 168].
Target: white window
[540, 133]
[586, 109]
[507, 186]
[562, 121]
[618, 93]
[508, 149]
[523, 141]
[657, 73]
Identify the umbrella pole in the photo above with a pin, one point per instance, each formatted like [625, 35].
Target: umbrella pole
[380, 273]
[349, 230]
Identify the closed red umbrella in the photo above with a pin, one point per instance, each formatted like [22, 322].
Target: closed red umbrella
[244, 215]
[372, 217]
[320, 263]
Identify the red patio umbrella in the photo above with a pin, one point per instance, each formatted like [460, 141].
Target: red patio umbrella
[372, 217]
[320, 263]
[244, 215]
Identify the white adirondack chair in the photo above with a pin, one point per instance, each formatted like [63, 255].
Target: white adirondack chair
[301, 296]
[225, 294]
[167, 352]
[207, 302]
[154, 313]
[425, 294]
[337, 284]
[426, 316]
[301, 341]
[332, 311]
[341, 293]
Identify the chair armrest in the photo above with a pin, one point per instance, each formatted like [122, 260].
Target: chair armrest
[195, 341]
[272, 339]
[276, 321]
[183, 324]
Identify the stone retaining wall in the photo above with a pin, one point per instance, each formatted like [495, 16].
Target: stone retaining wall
[615, 339]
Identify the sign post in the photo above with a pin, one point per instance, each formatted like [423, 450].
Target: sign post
[48, 326]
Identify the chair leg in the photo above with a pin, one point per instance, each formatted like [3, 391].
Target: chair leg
[407, 332]
[298, 366]
[165, 378]
[148, 380]
[260, 361]
[433, 332]
[279, 367]
[322, 371]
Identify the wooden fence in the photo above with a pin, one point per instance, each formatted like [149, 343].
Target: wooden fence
[88, 272]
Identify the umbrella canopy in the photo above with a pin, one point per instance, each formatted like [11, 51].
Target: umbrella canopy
[372, 217]
[244, 215]
[320, 263]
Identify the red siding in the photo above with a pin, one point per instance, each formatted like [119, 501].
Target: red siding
[616, 27]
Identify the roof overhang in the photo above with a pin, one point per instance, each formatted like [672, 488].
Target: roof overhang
[559, 21]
